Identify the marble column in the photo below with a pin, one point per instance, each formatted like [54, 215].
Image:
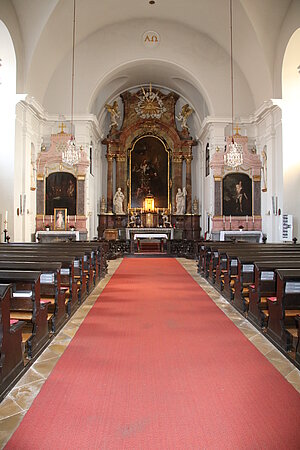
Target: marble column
[121, 177]
[109, 183]
[188, 184]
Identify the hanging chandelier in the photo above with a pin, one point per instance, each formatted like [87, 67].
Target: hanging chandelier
[233, 156]
[70, 153]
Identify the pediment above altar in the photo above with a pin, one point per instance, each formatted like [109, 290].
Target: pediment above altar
[51, 160]
[251, 160]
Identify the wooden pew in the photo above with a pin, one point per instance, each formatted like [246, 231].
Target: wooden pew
[68, 282]
[26, 306]
[284, 308]
[51, 289]
[298, 339]
[246, 274]
[56, 254]
[265, 286]
[11, 352]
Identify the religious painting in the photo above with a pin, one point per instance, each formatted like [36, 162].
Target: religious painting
[60, 219]
[149, 172]
[61, 192]
[237, 195]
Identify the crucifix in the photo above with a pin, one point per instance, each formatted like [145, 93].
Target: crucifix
[62, 126]
[236, 129]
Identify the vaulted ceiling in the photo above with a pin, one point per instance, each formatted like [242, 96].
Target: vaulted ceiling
[192, 58]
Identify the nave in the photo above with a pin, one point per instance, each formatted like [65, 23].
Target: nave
[157, 364]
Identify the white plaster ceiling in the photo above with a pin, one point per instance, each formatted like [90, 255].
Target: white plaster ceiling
[45, 27]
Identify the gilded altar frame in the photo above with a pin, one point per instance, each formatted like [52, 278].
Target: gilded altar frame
[168, 168]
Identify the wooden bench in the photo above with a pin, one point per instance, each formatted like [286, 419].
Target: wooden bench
[68, 282]
[11, 352]
[51, 289]
[26, 306]
[264, 286]
[246, 274]
[284, 309]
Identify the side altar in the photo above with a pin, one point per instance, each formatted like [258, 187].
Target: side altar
[149, 161]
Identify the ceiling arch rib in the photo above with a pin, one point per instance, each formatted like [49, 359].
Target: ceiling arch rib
[202, 65]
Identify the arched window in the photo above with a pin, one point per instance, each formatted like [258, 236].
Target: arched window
[207, 160]
[290, 127]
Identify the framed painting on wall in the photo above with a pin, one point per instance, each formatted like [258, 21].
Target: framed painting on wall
[60, 219]
[237, 195]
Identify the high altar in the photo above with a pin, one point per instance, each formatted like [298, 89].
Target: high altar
[145, 158]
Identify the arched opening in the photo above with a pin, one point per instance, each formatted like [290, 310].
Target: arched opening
[149, 172]
[7, 120]
[290, 128]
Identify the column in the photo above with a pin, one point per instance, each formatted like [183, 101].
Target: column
[188, 183]
[176, 178]
[109, 183]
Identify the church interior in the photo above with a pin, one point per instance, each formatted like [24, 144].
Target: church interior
[149, 220]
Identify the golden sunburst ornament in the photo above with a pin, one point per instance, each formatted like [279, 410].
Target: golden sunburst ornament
[150, 105]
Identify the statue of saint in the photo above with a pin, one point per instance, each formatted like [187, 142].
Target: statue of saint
[118, 201]
[102, 205]
[114, 114]
[264, 169]
[180, 201]
[185, 112]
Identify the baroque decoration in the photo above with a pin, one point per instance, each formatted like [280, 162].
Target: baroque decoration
[150, 105]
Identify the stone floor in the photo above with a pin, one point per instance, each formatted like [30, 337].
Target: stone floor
[19, 399]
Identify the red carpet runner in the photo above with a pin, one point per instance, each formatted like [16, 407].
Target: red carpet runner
[156, 365]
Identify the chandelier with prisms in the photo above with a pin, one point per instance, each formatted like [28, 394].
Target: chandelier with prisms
[234, 154]
[70, 154]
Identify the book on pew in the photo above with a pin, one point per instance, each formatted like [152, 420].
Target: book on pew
[22, 294]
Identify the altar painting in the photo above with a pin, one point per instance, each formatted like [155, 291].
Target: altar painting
[149, 172]
[237, 195]
[61, 192]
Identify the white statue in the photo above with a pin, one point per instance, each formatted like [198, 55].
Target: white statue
[118, 201]
[180, 201]
[165, 219]
[185, 112]
[114, 113]
[264, 168]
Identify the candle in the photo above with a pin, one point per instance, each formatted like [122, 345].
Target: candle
[43, 218]
[75, 218]
[6, 214]
[224, 219]
[51, 218]
[253, 219]
[247, 219]
[230, 218]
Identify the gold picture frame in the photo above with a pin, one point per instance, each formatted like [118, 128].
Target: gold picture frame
[60, 219]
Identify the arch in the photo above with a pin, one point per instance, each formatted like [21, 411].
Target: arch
[7, 120]
[290, 127]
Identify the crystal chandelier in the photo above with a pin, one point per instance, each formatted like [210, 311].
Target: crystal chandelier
[70, 154]
[234, 154]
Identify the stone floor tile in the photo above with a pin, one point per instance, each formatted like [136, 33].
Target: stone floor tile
[8, 426]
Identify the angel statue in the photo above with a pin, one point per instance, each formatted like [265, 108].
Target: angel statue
[114, 113]
[185, 112]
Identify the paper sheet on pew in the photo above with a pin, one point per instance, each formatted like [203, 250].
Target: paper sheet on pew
[47, 278]
[22, 294]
